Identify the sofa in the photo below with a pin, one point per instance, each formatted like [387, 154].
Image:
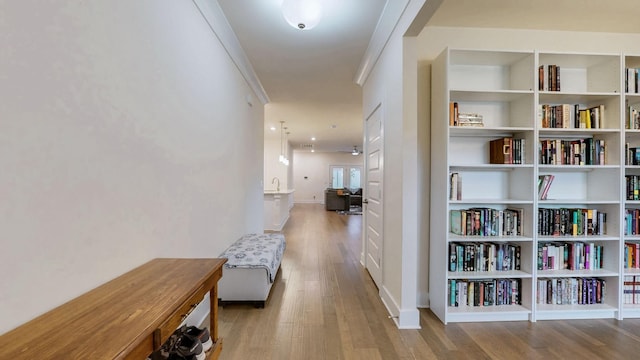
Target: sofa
[355, 197]
[342, 199]
[336, 199]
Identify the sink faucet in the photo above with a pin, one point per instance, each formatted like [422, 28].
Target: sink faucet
[276, 180]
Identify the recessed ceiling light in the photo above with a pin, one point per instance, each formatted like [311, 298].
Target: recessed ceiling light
[313, 138]
[313, 150]
[273, 128]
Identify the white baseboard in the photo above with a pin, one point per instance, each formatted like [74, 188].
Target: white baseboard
[423, 300]
[404, 318]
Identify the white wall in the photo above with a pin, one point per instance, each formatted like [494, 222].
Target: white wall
[316, 168]
[125, 136]
[392, 84]
[273, 168]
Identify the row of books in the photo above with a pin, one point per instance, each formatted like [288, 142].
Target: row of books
[631, 255]
[544, 184]
[632, 118]
[571, 222]
[571, 291]
[632, 221]
[483, 257]
[570, 256]
[631, 155]
[484, 292]
[456, 118]
[507, 150]
[549, 78]
[631, 80]
[587, 151]
[570, 116]
[455, 186]
[631, 289]
[486, 222]
[632, 183]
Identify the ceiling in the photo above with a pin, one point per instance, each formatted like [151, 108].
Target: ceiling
[309, 75]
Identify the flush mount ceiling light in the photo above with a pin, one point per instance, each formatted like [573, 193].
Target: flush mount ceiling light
[355, 151]
[302, 14]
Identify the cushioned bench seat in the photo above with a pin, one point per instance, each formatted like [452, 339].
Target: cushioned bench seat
[253, 262]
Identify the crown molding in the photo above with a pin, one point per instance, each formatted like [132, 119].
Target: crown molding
[387, 23]
[418, 12]
[219, 25]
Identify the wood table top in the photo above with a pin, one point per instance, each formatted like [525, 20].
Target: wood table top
[114, 318]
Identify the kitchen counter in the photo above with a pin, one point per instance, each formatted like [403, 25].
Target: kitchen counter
[276, 208]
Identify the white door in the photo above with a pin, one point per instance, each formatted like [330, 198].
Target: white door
[372, 206]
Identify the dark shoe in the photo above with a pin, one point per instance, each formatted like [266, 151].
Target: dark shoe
[165, 350]
[202, 335]
[187, 346]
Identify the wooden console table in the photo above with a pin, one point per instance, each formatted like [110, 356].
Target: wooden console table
[126, 318]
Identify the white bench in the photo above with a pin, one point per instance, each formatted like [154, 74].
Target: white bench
[253, 262]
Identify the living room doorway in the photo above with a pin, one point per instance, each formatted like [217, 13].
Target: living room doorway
[345, 192]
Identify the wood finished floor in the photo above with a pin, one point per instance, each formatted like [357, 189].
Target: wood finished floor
[324, 306]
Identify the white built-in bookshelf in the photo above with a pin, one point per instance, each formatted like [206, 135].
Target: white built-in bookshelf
[631, 208]
[574, 245]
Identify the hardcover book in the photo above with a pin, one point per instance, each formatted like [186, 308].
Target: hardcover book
[500, 151]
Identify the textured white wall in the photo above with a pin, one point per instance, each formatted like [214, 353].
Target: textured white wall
[125, 135]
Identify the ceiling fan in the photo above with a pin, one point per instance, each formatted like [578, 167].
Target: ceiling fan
[355, 151]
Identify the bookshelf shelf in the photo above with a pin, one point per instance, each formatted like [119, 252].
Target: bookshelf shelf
[510, 90]
[460, 238]
[588, 238]
[490, 309]
[574, 202]
[576, 97]
[491, 202]
[487, 131]
[576, 273]
[560, 312]
[574, 133]
[489, 313]
[490, 95]
[489, 167]
[575, 168]
[631, 311]
[488, 274]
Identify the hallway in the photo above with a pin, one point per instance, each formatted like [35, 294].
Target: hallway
[325, 306]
